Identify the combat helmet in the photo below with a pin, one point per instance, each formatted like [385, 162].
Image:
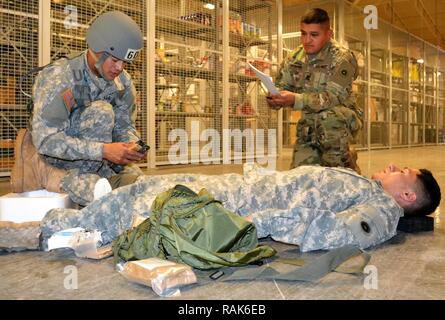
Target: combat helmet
[116, 34]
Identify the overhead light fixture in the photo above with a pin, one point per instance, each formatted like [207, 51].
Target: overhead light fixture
[420, 60]
[209, 6]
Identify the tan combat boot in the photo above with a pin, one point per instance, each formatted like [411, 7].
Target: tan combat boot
[30, 171]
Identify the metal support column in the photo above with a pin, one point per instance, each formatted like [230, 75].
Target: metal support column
[150, 81]
[368, 62]
[390, 94]
[279, 60]
[44, 32]
[225, 82]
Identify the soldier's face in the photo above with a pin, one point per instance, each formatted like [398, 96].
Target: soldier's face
[396, 180]
[112, 67]
[314, 36]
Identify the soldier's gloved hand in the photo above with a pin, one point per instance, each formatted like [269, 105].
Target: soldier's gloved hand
[284, 99]
[121, 153]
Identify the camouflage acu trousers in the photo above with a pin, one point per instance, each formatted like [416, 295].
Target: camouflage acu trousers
[325, 138]
[96, 123]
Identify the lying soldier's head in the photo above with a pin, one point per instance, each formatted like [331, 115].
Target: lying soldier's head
[415, 190]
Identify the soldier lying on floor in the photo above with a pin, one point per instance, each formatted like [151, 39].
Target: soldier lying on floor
[310, 206]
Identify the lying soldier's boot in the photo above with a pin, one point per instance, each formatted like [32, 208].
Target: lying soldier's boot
[30, 171]
[19, 236]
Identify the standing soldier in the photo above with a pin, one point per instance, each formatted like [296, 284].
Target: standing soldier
[317, 79]
[83, 123]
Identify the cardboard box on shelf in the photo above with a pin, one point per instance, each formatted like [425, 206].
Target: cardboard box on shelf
[374, 109]
[189, 107]
[235, 22]
[295, 116]
[7, 92]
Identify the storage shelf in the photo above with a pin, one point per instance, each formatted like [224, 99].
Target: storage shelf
[379, 97]
[200, 73]
[184, 28]
[240, 41]
[185, 114]
[200, 31]
[13, 107]
[166, 86]
[202, 114]
[379, 72]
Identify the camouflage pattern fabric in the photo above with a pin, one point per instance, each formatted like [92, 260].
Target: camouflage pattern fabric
[80, 185]
[311, 206]
[75, 113]
[330, 119]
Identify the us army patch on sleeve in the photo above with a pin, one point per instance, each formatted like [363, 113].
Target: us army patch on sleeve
[68, 99]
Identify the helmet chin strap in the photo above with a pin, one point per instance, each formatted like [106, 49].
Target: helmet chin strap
[99, 63]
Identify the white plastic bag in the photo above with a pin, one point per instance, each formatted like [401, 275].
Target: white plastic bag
[86, 244]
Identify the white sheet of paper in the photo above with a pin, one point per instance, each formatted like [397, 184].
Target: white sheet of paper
[266, 79]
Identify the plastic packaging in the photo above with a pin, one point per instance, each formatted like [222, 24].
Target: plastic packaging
[63, 238]
[164, 277]
[86, 244]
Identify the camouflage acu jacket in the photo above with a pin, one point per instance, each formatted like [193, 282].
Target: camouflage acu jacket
[310, 206]
[323, 81]
[61, 91]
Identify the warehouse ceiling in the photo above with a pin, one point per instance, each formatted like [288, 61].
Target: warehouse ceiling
[423, 18]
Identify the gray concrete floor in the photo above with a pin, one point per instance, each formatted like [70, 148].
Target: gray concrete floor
[409, 266]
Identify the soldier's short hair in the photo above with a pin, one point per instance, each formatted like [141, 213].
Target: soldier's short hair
[428, 195]
[315, 15]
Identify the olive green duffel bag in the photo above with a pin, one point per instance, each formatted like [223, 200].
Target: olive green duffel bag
[194, 229]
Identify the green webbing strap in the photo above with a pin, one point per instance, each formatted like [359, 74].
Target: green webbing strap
[311, 271]
[342, 268]
[358, 269]
[293, 261]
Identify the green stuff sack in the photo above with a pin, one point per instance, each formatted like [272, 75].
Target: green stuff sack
[194, 229]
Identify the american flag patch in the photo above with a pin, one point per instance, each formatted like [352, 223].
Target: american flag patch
[68, 99]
